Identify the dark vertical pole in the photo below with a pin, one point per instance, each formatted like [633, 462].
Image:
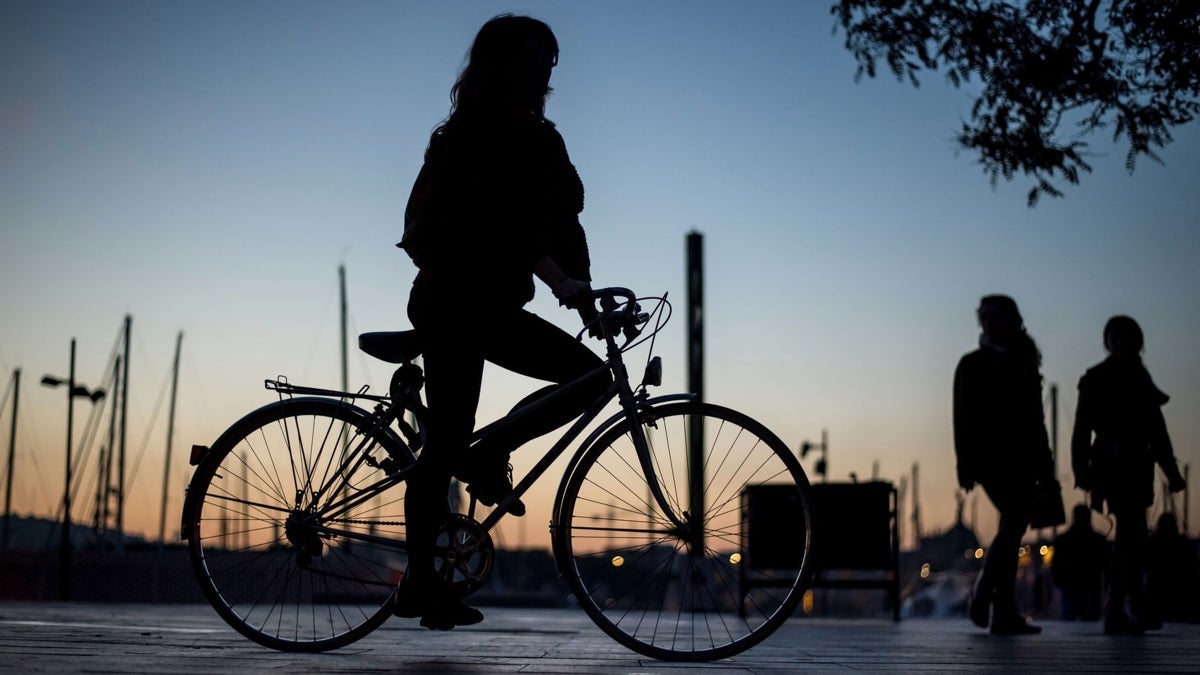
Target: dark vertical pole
[12, 451]
[121, 459]
[1187, 490]
[916, 507]
[64, 546]
[1054, 426]
[345, 360]
[695, 300]
[162, 522]
[825, 455]
[106, 470]
[96, 505]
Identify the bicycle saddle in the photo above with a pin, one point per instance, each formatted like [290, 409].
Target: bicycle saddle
[392, 346]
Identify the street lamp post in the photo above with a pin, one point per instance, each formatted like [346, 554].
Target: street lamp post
[73, 390]
[822, 466]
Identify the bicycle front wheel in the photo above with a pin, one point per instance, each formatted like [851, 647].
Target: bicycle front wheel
[722, 575]
[291, 534]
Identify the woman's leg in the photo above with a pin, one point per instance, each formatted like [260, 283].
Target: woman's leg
[1002, 567]
[452, 381]
[999, 574]
[453, 375]
[1128, 566]
[525, 344]
[534, 347]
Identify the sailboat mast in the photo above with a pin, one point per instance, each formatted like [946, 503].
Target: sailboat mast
[124, 391]
[107, 459]
[162, 523]
[345, 358]
[12, 445]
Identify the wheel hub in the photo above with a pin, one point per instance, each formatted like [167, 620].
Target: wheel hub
[301, 533]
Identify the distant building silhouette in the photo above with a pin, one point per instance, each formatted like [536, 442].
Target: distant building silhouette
[40, 534]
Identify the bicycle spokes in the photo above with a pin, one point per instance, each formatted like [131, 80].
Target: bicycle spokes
[665, 574]
[298, 540]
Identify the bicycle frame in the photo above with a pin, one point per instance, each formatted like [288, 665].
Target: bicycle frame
[388, 410]
[296, 521]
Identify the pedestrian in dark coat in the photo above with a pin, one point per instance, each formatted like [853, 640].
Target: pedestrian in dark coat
[1001, 443]
[1080, 560]
[1172, 574]
[1119, 436]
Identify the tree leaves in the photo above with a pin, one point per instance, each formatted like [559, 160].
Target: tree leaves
[1133, 64]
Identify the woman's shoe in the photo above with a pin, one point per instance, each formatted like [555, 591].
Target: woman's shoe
[1121, 624]
[980, 610]
[438, 607]
[1149, 623]
[448, 613]
[493, 484]
[1014, 625]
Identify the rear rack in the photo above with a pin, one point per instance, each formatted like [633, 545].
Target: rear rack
[281, 386]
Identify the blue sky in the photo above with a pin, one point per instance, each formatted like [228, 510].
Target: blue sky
[207, 166]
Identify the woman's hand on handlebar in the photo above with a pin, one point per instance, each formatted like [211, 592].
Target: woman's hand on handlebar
[577, 295]
[572, 293]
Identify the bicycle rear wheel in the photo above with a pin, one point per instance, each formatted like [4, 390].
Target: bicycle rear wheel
[714, 587]
[290, 534]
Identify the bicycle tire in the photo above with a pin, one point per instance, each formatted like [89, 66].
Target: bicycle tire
[658, 590]
[259, 546]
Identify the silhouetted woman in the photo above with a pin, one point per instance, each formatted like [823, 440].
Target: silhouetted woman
[1119, 435]
[496, 202]
[1001, 443]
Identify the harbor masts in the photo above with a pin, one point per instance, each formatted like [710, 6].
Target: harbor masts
[12, 445]
[162, 523]
[124, 392]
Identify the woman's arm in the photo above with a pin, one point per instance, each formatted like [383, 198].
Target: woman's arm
[965, 426]
[571, 293]
[1081, 440]
[1163, 452]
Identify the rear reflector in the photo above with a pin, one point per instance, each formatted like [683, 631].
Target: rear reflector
[198, 453]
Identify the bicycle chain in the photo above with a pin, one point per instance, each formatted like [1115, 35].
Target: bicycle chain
[351, 521]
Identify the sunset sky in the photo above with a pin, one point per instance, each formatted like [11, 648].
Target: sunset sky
[207, 166]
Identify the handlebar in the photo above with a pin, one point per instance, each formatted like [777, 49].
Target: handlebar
[608, 296]
[619, 314]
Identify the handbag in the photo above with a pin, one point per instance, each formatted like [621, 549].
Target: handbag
[1047, 509]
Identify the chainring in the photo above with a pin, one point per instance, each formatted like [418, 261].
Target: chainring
[464, 554]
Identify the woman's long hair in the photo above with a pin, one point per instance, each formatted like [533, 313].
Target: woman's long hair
[495, 77]
[1023, 346]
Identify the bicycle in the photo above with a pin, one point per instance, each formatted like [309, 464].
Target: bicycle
[295, 526]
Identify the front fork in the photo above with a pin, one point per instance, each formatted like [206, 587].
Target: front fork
[688, 525]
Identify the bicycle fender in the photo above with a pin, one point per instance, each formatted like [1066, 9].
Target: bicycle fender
[603, 427]
[209, 461]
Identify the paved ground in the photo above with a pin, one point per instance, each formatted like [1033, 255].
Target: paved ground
[56, 637]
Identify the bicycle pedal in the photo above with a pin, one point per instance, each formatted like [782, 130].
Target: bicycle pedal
[517, 508]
